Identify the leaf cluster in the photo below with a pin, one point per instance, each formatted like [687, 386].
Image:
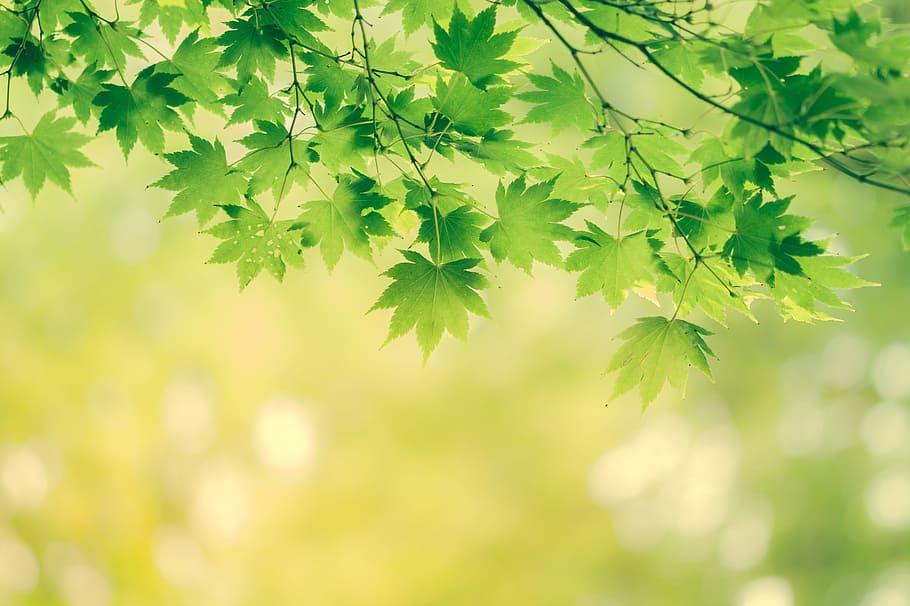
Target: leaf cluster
[298, 124]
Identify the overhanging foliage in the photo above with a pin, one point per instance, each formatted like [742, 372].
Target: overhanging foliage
[348, 125]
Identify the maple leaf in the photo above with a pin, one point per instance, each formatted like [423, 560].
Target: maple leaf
[294, 19]
[416, 13]
[610, 266]
[559, 101]
[498, 151]
[766, 239]
[253, 47]
[45, 153]
[528, 224]
[797, 295]
[471, 47]
[434, 298]
[269, 162]
[171, 16]
[452, 235]
[254, 241]
[658, 350]
[79, 93]
[196, 61]
[203, 179]
[470, 110]
[101, 43]
[348, 220]
[343, 136]
[139, 112]
[253, 102]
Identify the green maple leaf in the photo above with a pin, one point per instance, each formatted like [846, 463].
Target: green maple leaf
[101, 43]
[45, 153]
[559, 101]
[253, 102]
[611, 152]
[657, 350]
[610, 266]
[766, 239]
[254, 240]
[711, 285]
[30, 61]
[470, 110]
[797, 296]
[139, 112]
[252, 46]
[203, 179]
[498, 152]
[80, 93]
[573, 181]
[196, 62]
[416, 13]
[269, 162]
[458, 232]
[434, 298]
[528, 224]
[327, 76]
[471, 47]
[348, 220]
[295, 21]
[171, 16]
[343, 138]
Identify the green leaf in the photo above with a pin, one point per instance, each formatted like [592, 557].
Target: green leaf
[343, 138]
[458, 232]
[254, 103]
[470, 110]
[766, 239]
[348, 220]
[610, 266]
[139, 112]
[171, 15]
[471, 47]
[529, 223]
[657, 351]
[416, 13]
[203, 179]
[434, 298]
[559, 101]
[252, 47]
[269, 162]
[101, 43]
[196, 61]
[45, 153]
[254, 241]
[797, 296]
[80, 93]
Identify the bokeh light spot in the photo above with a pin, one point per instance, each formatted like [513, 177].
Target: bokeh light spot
[885, 429]
[767, 591]
[888, 500]
[891, 372]
[24, 478]
[283, 435]
[18, 566]
[744, 541]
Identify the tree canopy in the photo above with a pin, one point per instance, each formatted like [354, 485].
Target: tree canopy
[335, 124]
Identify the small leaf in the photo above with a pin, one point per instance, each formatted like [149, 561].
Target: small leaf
[434, 298]
[657, 350]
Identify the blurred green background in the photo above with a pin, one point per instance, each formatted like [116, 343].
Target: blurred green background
[167, 440]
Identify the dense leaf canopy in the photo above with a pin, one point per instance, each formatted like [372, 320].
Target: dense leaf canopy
[339, 124]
